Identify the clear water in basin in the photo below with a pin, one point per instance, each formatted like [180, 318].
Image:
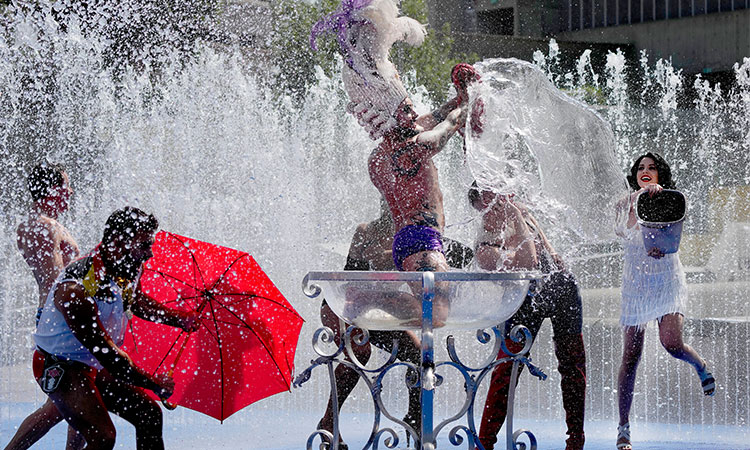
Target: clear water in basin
[396, 305]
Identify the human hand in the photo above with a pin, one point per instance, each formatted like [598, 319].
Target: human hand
[457, 116]
[557, 259]
[462, 75]
[655, 253]
[652, 189]
[190, 322]
[165, 386]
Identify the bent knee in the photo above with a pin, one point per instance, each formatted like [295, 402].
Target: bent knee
[674, 348]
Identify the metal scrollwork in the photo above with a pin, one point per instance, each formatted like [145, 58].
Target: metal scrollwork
[424, 376]
[310, 290]
[390, 441]
[325, 440]
[456, 439]
[373, 378]
[519, 445]
[322, 337]
[483, 337]
[518, 334]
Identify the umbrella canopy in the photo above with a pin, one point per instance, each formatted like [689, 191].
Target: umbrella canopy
[244, 349]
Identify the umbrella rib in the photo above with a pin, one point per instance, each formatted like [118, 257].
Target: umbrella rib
[172, 277]
[221, 277]
[275, 302]
[226, 306]
[213, 333]
[221, 357]
[171, 347]
[261, 342]
[192, 256]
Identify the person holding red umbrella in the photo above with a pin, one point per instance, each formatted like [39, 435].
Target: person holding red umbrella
[79, 363]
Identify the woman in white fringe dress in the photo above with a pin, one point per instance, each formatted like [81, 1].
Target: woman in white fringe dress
[653, 288]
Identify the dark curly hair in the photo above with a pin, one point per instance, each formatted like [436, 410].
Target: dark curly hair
[474, 194]
[127, 222]
[662, 169]
[43, 178]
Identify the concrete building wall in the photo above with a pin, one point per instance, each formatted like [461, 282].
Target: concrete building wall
[440, 12]
[709, 43]
[703, 43]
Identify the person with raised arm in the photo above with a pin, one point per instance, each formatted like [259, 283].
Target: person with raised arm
[371, 249]
[511, 239]
[653, 288]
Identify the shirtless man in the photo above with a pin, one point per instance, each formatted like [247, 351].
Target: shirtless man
[371, 249]
[81, 367]
[47, 248]
[402, 169]
[511, 239]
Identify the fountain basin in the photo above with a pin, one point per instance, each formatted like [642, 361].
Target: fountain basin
[392, 300]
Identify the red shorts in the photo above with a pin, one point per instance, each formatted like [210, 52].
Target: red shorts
[40, 362]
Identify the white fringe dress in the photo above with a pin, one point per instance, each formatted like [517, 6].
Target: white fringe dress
[651, 288]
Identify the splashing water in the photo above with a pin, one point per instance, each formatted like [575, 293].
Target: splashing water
[204, 143]
[554, 151]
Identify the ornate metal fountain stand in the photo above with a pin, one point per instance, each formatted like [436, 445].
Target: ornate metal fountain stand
[428, 378]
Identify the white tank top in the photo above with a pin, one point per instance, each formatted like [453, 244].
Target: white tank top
[53, 335]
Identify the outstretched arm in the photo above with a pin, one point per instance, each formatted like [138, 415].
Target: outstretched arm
[432, 119]
[431, 142]
[149, 309]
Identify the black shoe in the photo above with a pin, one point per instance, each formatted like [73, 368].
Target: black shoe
[416, 423]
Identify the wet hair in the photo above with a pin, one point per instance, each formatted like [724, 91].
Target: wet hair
[43, 178]
[475, 193]
[127, 222]
[662, 169]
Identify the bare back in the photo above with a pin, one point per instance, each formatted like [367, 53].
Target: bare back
[372, 243]
[47, 247]
[409, 182]
[506, 242]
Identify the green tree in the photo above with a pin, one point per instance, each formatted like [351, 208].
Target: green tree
[433, 60]
[295, 60]
[291, 53]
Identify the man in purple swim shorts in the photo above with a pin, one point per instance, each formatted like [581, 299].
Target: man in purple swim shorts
[402, 169]
[413, 239]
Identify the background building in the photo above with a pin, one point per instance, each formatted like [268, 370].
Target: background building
[699, 36]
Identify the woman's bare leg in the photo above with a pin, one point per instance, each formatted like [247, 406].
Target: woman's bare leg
[631, 356]
[670, 335]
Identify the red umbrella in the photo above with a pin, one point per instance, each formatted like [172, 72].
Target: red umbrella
[244, 349]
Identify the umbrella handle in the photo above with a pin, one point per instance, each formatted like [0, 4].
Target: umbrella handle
[167, 404]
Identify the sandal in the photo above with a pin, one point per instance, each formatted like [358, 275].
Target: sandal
[707, 381]
[623, 437]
